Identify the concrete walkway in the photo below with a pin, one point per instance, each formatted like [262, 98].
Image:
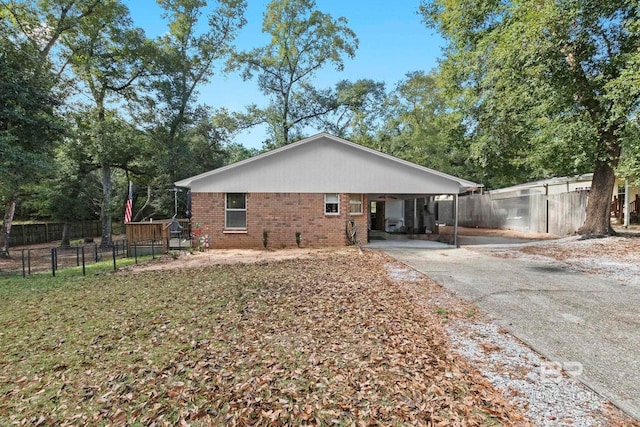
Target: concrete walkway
[588, 324]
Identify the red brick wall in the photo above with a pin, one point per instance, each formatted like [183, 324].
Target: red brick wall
[281, 214]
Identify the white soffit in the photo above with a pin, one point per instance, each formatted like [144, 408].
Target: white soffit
[326, 164]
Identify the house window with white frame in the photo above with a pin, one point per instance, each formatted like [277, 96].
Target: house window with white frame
[331, 204]
[355, 204]
[235, 217]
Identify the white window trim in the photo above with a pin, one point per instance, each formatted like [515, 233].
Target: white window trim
[361, 204]
[227, 209]
[325, 205]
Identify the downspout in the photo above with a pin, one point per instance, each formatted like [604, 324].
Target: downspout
[455, 220]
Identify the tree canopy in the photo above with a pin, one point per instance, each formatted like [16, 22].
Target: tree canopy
[546, 88]
[302, 41]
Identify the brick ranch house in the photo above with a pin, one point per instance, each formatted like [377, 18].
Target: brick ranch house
[314, 187]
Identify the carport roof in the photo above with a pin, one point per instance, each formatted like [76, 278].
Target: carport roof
[324, 163]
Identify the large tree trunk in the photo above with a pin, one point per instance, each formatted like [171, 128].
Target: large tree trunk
[6, 228]
[105, 211]
[598, 221]
[66, 235]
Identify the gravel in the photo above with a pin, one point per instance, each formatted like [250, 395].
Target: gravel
[615, 258]
[544, 391]
[546, 395]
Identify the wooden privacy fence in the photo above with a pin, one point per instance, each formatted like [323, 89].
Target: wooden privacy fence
[31, 234]
[559, 214]
[157, 232]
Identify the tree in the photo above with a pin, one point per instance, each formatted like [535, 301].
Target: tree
[358, 109]
[42, 23]
[205, 141]
[186, 60]
[547, 87]
[66, 195]
[112, 148]
[420, 126]
[29, 127]
[629, 166]
[29, 124]
[303, 40]
[31, 89]
[108, 56]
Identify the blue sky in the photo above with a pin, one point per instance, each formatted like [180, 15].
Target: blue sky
[393, 42]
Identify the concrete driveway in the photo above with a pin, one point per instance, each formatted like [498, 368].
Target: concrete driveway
[588, 324]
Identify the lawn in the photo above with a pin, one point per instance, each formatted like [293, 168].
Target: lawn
[333, 340]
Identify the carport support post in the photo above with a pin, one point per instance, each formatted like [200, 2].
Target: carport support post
[455, 220]
[627, 203]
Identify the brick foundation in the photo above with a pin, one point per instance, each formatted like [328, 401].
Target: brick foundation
[281, 214]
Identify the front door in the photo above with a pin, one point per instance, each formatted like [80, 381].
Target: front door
[377, 216]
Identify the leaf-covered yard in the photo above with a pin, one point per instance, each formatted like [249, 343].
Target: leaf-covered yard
[330, 340]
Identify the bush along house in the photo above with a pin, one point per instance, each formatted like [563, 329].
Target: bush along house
[319, 191]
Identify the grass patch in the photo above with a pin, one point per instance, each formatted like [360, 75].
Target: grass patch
[9, 280]
[323, 341]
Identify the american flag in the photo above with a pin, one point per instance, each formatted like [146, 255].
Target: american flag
[129, 206]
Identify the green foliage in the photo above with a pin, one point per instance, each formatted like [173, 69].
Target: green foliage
[358, 106]
[29, 122]
[546, 88]
[187, 140]
[540, 86]
[302, 41]
[42, 23]
[52, 48]
[421, 125]
[630, 159]
[68, 194]
[108, 56]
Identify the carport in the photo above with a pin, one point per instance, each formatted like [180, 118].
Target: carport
[398, 217]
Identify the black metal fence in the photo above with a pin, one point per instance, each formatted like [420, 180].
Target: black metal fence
[155, 247]
[28, 261]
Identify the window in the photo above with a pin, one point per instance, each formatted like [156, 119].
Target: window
[236, 211]
[355, 204]
[331, 203]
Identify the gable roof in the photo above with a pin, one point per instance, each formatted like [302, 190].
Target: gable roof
[324, 163]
